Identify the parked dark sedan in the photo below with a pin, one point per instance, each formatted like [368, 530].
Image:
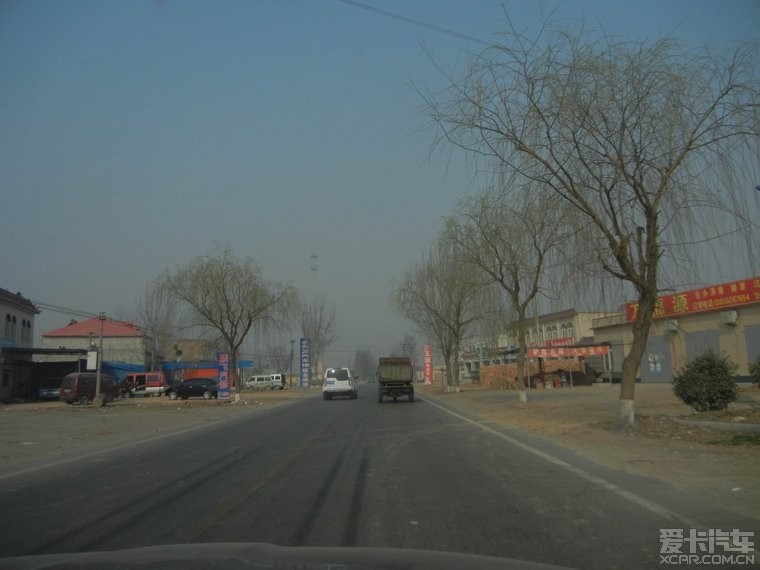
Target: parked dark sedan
[49, 389]
[205, 388]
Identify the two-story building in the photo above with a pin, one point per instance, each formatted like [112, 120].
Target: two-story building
[16, 334]
[565, 328]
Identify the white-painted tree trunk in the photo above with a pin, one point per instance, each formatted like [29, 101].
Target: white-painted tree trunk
[626, 417]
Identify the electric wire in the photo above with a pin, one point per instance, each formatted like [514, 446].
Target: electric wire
[415, 22]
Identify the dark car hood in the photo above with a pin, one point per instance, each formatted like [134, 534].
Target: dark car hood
[260, 556]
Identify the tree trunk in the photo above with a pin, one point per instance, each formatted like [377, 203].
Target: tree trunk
[455, 367]
[632, 360]
[521, 354]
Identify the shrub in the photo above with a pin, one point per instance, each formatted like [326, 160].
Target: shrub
[754, 372]
[707, 382]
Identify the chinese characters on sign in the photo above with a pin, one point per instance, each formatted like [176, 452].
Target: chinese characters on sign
[711, 546]
[428, 361]
[568, 351]
[223, 375]
[710, 298]
[305, 363]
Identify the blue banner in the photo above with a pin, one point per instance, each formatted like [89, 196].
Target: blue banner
[305, 363]
[223, 375]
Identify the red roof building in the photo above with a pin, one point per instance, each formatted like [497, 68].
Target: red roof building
[91, 327]
[123, 341]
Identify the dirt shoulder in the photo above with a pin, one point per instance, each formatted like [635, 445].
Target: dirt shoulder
[33, 434]
[662, 444]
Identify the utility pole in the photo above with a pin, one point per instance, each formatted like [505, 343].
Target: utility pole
[101, 318]
[314, 268]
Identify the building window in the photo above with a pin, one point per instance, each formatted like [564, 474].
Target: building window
[26, 330]
[567, 330]
[8, 325]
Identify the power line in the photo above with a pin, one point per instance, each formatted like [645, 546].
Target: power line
[64, 310]
[414, 22]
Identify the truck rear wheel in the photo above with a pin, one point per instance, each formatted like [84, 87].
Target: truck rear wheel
[380, 396]
[411, 396]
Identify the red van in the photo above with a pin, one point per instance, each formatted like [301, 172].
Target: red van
[80, 387]
[143, 384]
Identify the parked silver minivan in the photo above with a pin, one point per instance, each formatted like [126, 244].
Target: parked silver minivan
[260, 382]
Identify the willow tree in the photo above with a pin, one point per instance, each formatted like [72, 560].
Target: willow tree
[443, 299]
[230, 296]
[629, 134]
[510, 236]
[317, 322]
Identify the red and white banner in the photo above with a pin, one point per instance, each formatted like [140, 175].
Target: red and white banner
[564, 341]
[714, 297]
[568, 351]
[428, 360]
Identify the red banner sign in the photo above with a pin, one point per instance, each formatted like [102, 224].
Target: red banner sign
[428, 361]
[568, 351]
[565, 341]
[711, 298]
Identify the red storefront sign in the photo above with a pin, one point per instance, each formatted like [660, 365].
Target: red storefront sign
[428, 362]
[714, 297]
[568, 351]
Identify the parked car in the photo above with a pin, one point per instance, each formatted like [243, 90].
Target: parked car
[261, 382]
[205, 388]
[49, 389]
[143, 384]
[80, 387]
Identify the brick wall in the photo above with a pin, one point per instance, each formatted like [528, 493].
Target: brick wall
[504, 375]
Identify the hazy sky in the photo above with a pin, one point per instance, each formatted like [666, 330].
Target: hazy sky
[136, 135]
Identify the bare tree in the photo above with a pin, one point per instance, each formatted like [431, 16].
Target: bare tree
[276, 357]
[317, 323]
[510, 237]
[441, 298]
[409, 347]
[231, 297]
[364, 362]
[158, 314]
[623, 132]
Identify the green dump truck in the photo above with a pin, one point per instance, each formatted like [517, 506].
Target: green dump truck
[395, 377]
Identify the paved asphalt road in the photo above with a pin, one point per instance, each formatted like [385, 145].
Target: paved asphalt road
[351, 472]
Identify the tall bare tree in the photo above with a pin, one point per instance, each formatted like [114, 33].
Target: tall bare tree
[409, 347]
[510, 237]
[623, 132]
[158, 314]
[317, 322]
[364, 362]
[442, 299]
[230, 296]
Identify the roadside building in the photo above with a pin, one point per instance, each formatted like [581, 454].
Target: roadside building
[123, 341]
[16, 337]
[724, 318]
[493, 363]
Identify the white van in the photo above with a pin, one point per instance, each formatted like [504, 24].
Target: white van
[260, 382]
[279, 381]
